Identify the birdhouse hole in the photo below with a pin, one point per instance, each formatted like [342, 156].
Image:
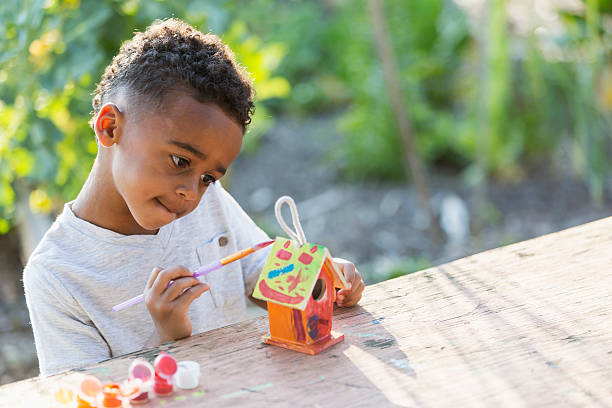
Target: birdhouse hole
[318, 292]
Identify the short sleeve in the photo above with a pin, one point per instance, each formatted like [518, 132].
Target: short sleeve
[64, 337]
[247, 234]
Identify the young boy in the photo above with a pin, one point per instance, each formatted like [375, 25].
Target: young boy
[169, 116]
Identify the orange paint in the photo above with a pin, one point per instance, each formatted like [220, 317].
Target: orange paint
[111, 396]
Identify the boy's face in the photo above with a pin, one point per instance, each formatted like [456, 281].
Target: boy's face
[163, 161]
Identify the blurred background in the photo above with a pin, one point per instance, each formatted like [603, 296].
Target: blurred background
[409, 132]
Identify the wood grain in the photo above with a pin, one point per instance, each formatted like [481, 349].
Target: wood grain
[523, 325]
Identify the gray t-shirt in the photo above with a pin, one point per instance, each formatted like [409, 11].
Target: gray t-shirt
[79, 271]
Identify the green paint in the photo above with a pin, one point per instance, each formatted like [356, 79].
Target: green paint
[162, 402]
[379, 343]
[234, 394]
[198, 393]
[180, 398]
[261, 387]
[247, 390]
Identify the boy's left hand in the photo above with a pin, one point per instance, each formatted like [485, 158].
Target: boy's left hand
[349, 297]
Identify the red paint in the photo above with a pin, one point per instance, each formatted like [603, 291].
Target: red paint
[294, 281]
[165, 368]
[305, 259]
[322, 308]
[142, 398]
[286, 244]
[284, 255]
[314, 249]
[165, 365]
[161, 386]
[278, 296]
[298, 325]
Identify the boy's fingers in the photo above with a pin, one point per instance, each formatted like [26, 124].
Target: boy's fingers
[153, 276]
[347, 268]
[165, 276]
[350, 273]
[179, 286]
[349, 297]
[354, 295]
[192, 293]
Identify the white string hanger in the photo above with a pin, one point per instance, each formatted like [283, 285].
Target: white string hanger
[297, 235]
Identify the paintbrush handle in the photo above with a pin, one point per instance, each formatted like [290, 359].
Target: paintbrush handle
[128, 303]
[200, 272]
[236, 256]
[206, 269]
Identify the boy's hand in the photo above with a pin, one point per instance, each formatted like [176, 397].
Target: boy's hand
[168, 305]
[349, 297]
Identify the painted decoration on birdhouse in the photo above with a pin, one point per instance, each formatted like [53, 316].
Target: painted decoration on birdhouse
[290, 273]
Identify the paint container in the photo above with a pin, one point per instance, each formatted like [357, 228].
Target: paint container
[111, 394]
[165, 368]
[63, 396]
[89, 390]
[143, 371]
[188, 375]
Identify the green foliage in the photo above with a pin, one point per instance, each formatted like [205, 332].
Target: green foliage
[483, 98]
[428, 69]
[53, 53]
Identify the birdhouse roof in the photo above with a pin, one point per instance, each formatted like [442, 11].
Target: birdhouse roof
[290, 273]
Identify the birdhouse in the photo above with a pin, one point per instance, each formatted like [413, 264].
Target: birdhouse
[299, 285]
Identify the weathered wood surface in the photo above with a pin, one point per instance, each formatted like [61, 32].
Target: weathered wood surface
[524, 325]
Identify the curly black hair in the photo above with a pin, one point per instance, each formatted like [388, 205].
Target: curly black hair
[172, 56]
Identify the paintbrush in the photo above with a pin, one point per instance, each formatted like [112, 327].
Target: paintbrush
[206, 269]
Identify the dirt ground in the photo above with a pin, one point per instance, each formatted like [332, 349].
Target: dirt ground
[378, 226]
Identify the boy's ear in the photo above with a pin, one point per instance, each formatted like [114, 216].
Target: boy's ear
[107, 123]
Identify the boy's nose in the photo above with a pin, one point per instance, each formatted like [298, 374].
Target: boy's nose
[188, 191]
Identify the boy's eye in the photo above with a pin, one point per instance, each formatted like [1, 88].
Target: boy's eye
[179, 161]
[207, 179]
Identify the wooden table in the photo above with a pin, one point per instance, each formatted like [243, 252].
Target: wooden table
[529, 324]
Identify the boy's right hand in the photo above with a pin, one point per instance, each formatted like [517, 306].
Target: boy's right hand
[168, 305]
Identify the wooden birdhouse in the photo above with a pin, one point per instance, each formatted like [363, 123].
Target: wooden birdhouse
[299, 284]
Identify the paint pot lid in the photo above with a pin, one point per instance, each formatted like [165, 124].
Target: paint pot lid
[89, 388]
[130, 388]
[142, 370]
[165, 365]
[188, 375]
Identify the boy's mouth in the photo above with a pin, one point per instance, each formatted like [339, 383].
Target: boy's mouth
[170, 210]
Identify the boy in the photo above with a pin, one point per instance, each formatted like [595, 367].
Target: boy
[169, 116]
